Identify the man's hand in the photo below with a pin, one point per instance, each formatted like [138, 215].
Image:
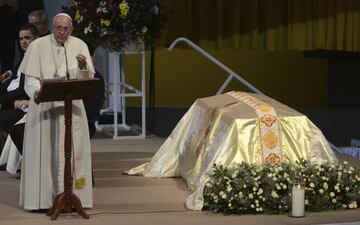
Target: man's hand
[81, 59]
[21, 104]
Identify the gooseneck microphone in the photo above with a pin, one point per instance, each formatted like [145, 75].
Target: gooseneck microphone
[66, 62]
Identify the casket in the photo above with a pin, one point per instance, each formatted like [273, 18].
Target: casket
[228, 129]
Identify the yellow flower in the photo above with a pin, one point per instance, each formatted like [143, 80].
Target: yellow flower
[124, 9]
[123, 13]
[105, 23]
[77, 16]
[123, 6]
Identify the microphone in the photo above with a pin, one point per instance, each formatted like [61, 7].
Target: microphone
[66, 62]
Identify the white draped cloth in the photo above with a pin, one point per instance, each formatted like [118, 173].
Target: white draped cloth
[42, 174]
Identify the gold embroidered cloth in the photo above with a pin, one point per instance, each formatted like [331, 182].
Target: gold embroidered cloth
[224, 130]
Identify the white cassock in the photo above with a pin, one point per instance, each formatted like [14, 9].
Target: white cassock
[42, 174]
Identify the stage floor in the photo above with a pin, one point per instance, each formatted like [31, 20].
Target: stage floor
[130, 200]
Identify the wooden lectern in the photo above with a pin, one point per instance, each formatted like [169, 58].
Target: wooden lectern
[67, 90]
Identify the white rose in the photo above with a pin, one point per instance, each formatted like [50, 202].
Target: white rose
[325, 185]
[274, 194]
[229, 188]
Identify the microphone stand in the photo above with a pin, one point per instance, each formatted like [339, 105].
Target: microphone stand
[66, 62]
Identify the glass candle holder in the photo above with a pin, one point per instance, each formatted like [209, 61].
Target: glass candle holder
[297, 200]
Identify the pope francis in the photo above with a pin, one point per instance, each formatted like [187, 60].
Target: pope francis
[42, 175]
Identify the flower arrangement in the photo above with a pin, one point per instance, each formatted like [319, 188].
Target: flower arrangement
[254, 189]
[115, 23]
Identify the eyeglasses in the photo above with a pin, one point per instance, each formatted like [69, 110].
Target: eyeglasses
[60, 29]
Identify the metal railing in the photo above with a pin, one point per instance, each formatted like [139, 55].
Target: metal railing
[231, 73]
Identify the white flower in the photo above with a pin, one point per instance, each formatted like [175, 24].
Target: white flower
[260, 191]
[270, 175]
[321, 191]
[284, 186]
[251, 196]
[306, 202]
[229, 205]
[347, 189]
[312, 185]
[274, 194]
[254, 189]
[278, 187]
[333, 200]
[252, 206]
[88, 29]
[353, 205]
[326, 186]
[244, 186]
[345, 162]
[144, 30]
[229, 188]
[256, 201]
[222, 195]
[332, 194]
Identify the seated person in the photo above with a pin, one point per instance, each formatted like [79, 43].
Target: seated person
[40, 19]
[12, 88]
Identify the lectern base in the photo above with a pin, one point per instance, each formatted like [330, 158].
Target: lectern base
[66, 202]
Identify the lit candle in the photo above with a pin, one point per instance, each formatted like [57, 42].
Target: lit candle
[298, 201]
